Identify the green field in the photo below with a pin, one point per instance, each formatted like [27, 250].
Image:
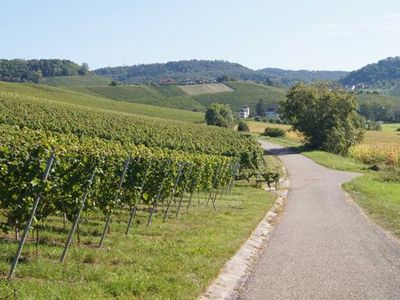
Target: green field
[391, 127]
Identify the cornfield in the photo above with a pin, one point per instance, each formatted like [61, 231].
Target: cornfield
[385, 153]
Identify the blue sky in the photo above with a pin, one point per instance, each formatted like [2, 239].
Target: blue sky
[307, 34]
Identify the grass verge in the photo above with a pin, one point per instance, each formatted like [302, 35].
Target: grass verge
[172, 260]
[379, 199]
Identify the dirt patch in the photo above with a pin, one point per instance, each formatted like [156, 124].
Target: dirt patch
[201, 89]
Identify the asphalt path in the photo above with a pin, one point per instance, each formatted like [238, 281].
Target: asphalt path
[323, 248]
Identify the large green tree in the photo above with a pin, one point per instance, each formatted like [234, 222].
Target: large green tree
[219, 115]
[326, 117]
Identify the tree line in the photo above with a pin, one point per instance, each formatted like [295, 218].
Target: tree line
[33, 70]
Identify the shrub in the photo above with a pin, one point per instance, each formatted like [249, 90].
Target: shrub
[371, 125]
[258, 118]
[274, 132]
[243, 126]
[219, 115]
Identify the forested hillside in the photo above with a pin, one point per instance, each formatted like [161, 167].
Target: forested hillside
[19, 70]
[290, 77]
[385, 74]
[181, 71]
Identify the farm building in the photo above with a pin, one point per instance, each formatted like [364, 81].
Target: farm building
[271, 111]
[244, 113]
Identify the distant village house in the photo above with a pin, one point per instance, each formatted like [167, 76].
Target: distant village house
[244, 113]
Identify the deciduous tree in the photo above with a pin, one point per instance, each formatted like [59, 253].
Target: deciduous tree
[326, 117]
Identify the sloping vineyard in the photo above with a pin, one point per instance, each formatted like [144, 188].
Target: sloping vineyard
[68, 160]
[36, 113]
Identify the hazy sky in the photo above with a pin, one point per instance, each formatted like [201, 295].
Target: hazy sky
[302, 34]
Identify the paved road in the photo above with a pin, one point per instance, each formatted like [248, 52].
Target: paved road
[323, 248]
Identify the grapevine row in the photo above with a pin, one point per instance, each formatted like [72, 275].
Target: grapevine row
[52, 116]
[23, 157]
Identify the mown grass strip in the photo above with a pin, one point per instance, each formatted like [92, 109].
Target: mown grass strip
[172, 260]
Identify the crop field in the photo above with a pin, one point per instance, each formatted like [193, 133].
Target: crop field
[201, 89]
[380, 146]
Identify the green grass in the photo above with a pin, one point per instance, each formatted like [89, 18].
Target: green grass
[380, 200]
[172, 260]
[390, 127]
[74, 81]
[65, 95]
[244, 94]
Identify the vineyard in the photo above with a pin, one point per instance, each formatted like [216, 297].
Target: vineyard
[36, 113]
[75, 163]
[83, 96]
[62, 170]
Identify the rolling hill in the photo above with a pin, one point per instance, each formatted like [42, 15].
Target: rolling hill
[81, 97]
[208, 70]
[186, 97]
[160, 95]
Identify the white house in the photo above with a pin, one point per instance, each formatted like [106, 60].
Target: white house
[244, 113]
